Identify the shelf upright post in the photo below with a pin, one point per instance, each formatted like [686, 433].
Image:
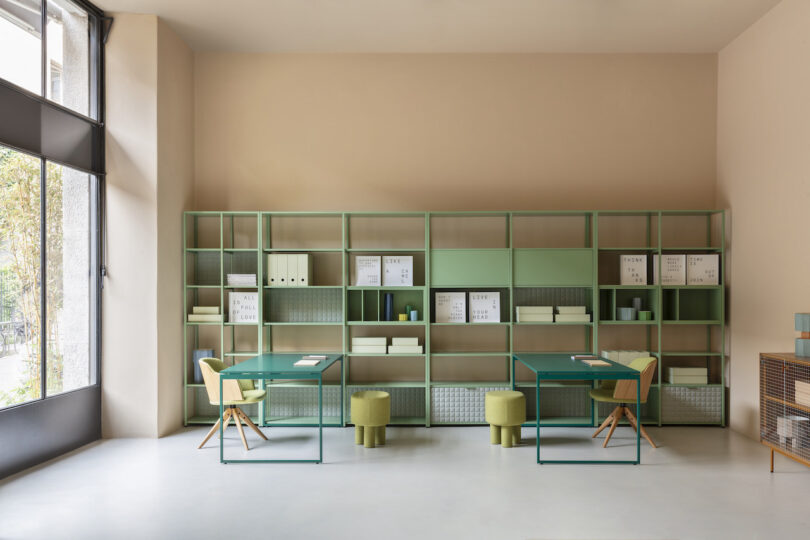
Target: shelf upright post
[185, 322]
[659, 290]
[594, 219]
[722, 281]
[510, 328]
[344, 374]
[426, 316]
[260, 289]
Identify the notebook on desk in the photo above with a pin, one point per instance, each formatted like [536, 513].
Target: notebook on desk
[310, 360]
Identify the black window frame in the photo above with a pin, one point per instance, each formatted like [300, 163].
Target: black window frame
[44, 129]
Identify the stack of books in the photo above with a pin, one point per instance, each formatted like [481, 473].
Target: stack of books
[310, 360]
[241, 280]
[376, 345]
[802, 393]
[572, 314]
[205, 314]
[687, 375]
[535, 314]
[404, 345]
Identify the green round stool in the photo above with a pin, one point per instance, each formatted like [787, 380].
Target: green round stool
[371, 411]
[505, 412]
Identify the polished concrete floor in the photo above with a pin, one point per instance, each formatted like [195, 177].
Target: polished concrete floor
[425, 483]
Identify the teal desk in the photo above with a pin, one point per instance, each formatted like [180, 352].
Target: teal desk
[280, 366]
[560, 367]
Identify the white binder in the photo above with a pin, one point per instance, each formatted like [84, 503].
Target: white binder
[281, 271]
[292, 270]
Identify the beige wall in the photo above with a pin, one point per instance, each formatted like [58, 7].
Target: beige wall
[764, 178]
[440, 131]
[129, 370]
[175, 135]
[149, 184]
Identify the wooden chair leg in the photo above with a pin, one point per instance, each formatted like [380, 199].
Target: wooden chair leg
[616, 418]
[638, 425]
[238, 423]
[226, 420]
[213, 430]
[250, 423]
[605, 424]
[630, 418]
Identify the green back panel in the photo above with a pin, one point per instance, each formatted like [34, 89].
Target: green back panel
[469, 267]
[553, 267]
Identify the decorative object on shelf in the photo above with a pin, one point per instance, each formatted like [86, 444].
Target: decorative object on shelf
[243, 307]
[625, 314]
[802, 325]
[414, 315]
[402, 317]
[376, 345]
[196, 356]
[397, 271]
[389, 306]
[485, 307]
[241, 280]
[673, 272]
[505, 411]
[572, 314]
[451, 307]
[686, 375]
[368, 271]
[633, 269]
[703, 269]
[637, 304]
[645, 315]
[371, 412]
[802, 393]
[793, 431]
[534, 314]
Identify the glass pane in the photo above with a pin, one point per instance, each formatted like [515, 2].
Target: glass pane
[68, 270]
[21, 32]
[68, 55]
[19, 278]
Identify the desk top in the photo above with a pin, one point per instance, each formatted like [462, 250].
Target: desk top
[264, 365]
[560, 366]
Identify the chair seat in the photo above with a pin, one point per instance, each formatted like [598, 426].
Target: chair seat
[505, 407]
[606, 395]
[251, 396]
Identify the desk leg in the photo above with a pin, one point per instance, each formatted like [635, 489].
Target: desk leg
[537, 413]
[638, 420]
[342, 392]
[221, 414]
[320, 417]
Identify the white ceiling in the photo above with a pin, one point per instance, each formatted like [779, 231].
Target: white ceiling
[370, 26]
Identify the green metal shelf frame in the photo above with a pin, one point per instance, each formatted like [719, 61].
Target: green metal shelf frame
[591, 242]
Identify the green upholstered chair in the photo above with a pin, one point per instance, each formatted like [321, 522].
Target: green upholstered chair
[505, 412]
[235, 392]
[622, 393]
[371, 411]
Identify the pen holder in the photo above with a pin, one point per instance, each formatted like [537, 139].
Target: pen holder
[414, 315]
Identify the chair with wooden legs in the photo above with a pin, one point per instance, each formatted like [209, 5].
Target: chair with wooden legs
[235, 392]
[622, 393]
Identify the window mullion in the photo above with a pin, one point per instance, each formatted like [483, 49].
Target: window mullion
[43, 279]
[44, 42]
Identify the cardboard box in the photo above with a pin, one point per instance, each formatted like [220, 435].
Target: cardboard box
[703, 269]
[633, 269]
[673, 271]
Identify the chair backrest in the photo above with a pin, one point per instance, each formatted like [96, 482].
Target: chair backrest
[231, 388]
[626, 390]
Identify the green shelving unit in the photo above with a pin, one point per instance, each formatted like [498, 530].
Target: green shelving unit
[531, 258]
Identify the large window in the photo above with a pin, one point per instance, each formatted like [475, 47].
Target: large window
[51, 175]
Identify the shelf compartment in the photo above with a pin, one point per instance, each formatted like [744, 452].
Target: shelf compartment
[469, 268]
[386, 232]
[700, 304]
[302, 232]
[285, 403]
[551, 337]
[482, 339]
[327, 269]
[692, 405]
[367, 305]
[553, 296]
[553, 267]
[691, 229]
[473, 368]
[241, 340]
[240, 231]
[303, 305]
[473, 231]
[202, 231]
[628, 230]
[203, 268]
[407, 402]
[418, 266]
[613, 298]
[303, 339]
[503, 300]
[551, 230]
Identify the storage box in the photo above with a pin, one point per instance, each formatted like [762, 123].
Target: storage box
[703, 269]
[633, 269]
[686, 375]
[485, 307]
[571, 310]
[572, 317]
[243, 307]
[405, 349]
[397, 271]
[793, 430]
[404, 341]
[673, 271]
[535, 317]
[802, 393]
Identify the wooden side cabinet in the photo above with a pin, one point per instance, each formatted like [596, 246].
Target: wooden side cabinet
[784, 405]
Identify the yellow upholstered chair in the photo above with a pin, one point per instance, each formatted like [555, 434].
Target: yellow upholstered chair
[235, 392]
[622, 393]
[371, 411]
